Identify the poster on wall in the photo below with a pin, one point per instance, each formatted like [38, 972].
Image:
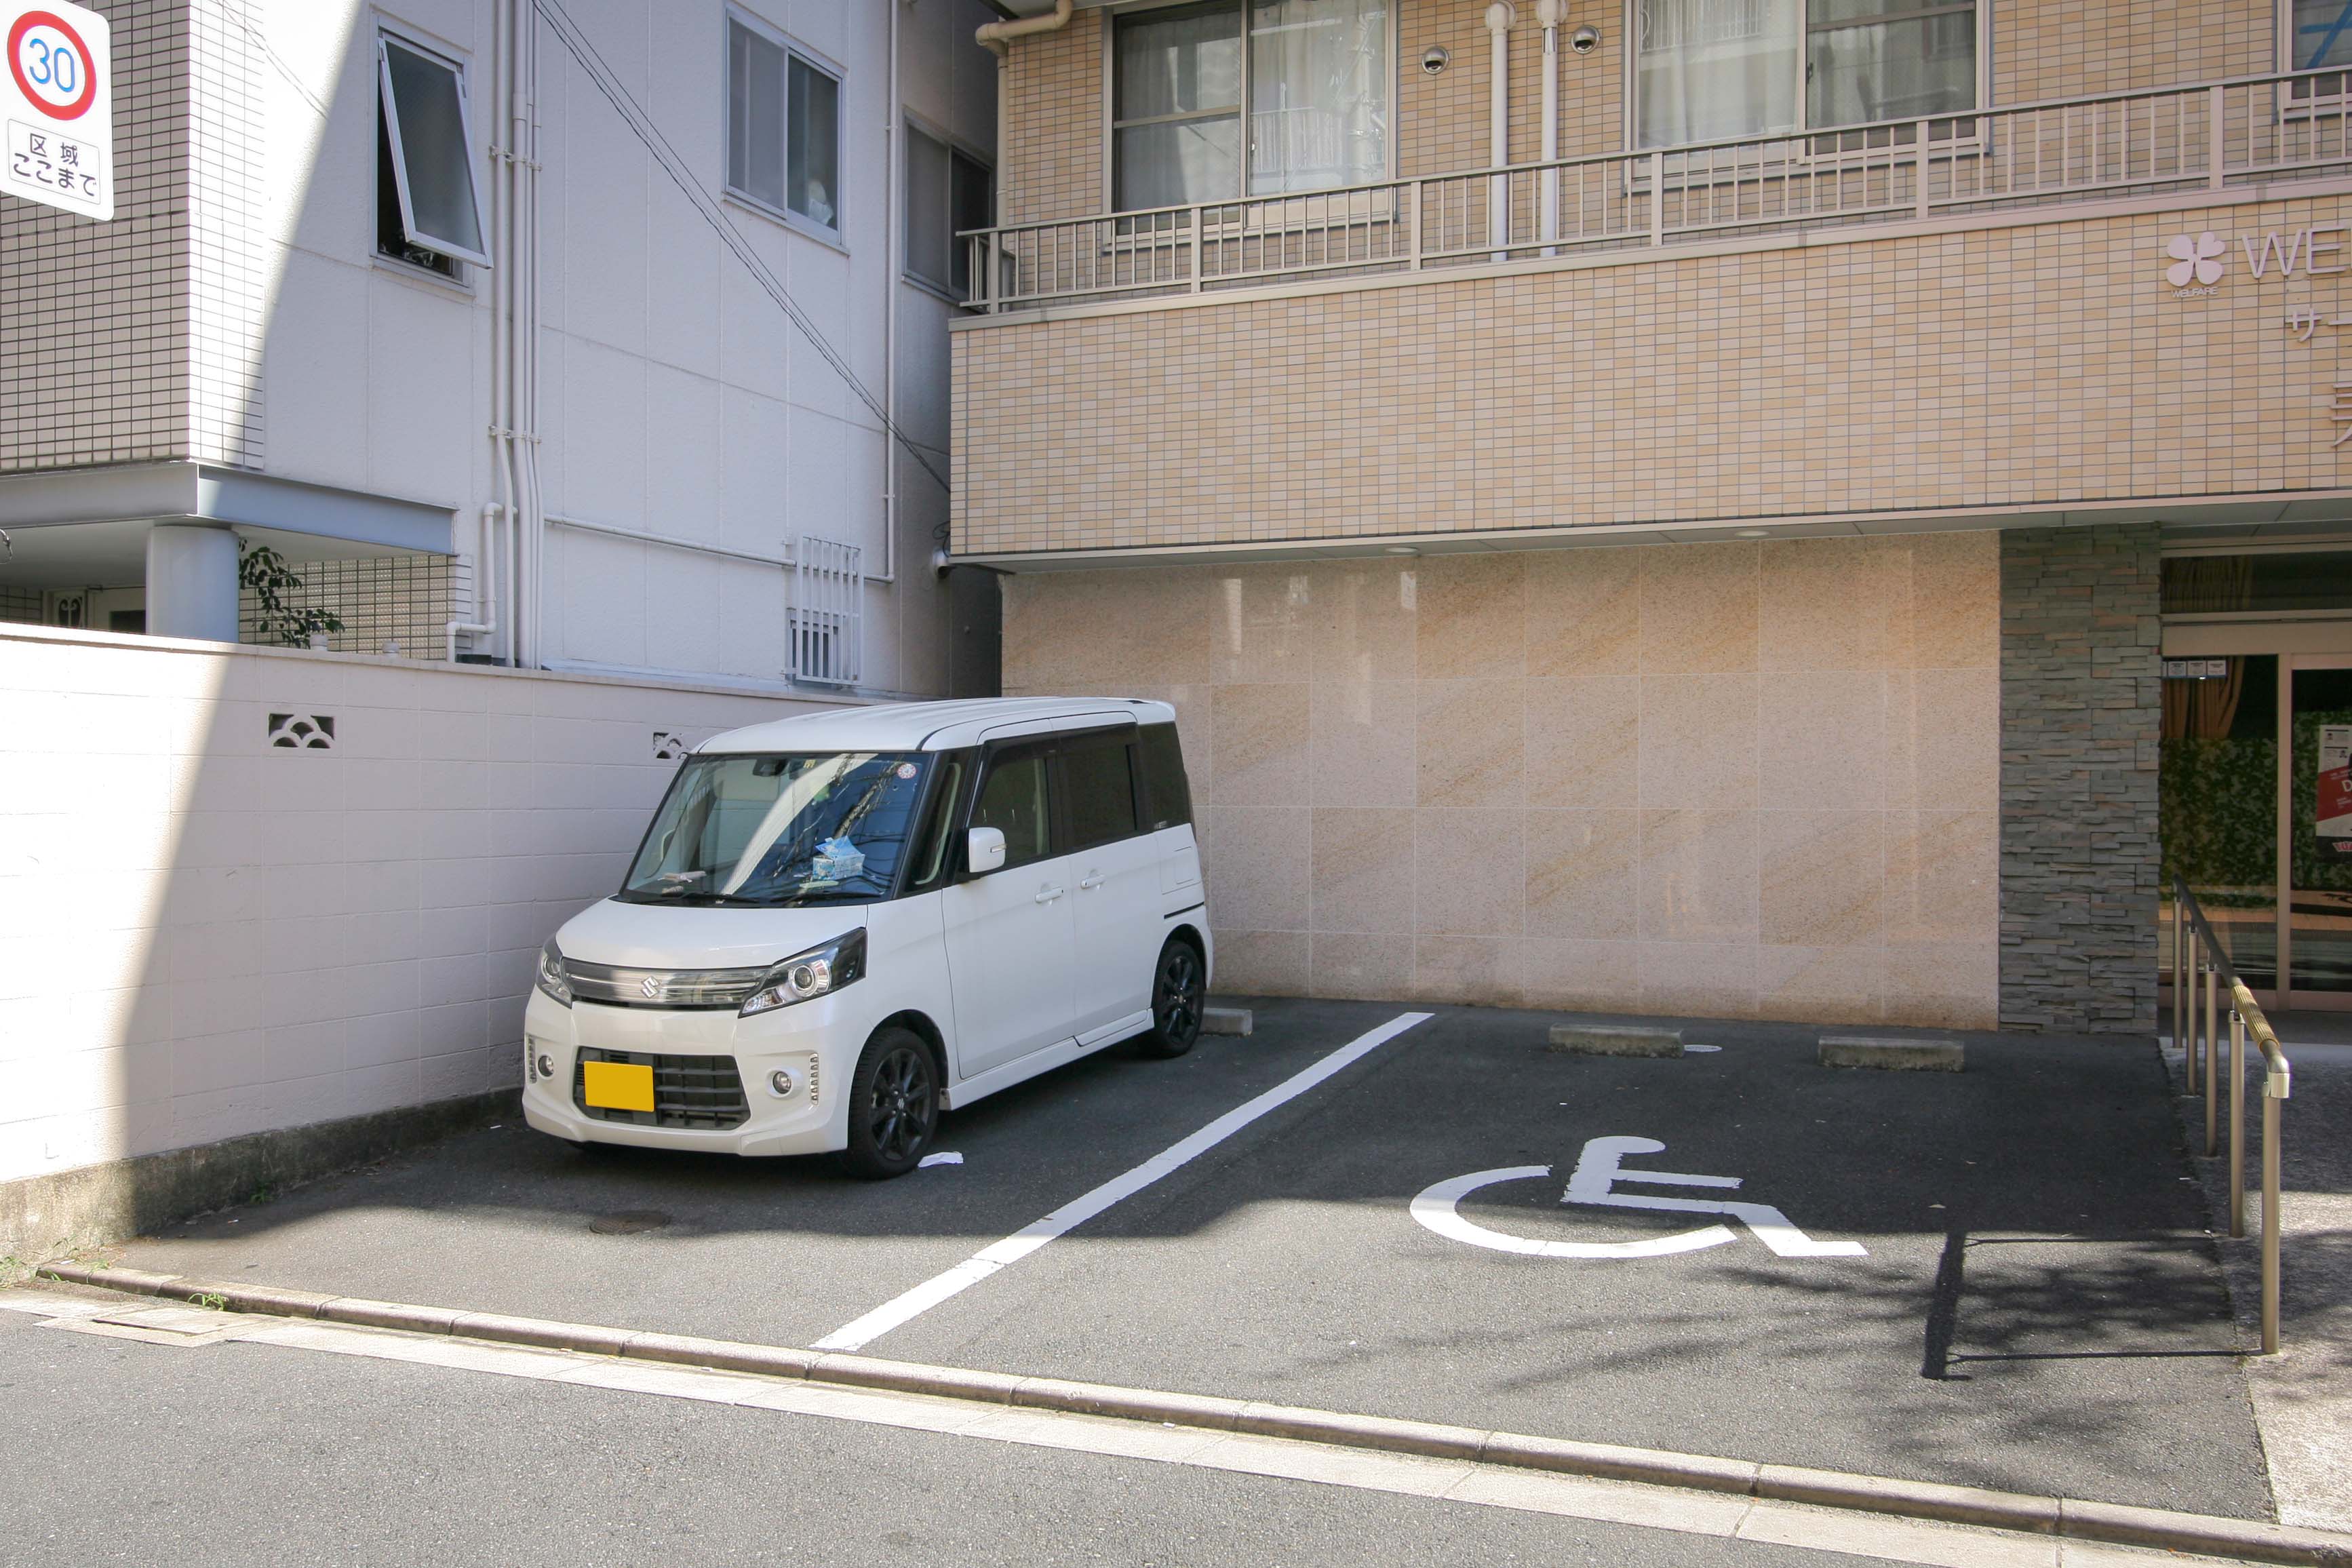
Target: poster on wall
[2332, 813]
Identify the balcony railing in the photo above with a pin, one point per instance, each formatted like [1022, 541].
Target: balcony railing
[2208, 137]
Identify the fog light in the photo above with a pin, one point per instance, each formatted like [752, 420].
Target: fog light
[546, 1066]
[779, 1083]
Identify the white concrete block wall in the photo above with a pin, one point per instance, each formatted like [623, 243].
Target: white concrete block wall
[203, 936]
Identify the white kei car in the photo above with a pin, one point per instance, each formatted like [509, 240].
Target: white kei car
[840, 925]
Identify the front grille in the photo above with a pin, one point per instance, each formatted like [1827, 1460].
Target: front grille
[703, 1093]
[628, 986]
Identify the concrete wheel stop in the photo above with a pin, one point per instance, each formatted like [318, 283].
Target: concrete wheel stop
[1889, 1055]
[1616, 1040]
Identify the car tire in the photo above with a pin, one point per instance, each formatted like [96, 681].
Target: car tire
[1180, 992]
[894, 1106]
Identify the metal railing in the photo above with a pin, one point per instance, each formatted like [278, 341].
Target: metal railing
[824, 621]
[2207, 137]
[2198, 958]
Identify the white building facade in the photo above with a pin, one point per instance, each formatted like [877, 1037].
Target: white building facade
[584, 364]
[641, 327]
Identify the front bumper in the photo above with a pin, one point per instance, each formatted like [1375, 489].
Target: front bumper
[807, 1040]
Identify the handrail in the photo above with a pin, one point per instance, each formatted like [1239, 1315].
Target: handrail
[2206, 135]
[2197, 950]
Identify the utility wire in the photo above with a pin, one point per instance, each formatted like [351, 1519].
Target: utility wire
[276, 61]
[606, 83]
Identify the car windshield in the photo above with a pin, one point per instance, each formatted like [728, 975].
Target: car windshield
[779, 830]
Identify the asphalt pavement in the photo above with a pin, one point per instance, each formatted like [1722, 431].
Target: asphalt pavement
[238, 1454]
[2035, 1307]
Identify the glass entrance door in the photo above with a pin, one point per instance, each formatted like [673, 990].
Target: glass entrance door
[2317, 734]
[2218, 799]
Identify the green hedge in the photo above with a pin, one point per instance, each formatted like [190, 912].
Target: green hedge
[2220, 818]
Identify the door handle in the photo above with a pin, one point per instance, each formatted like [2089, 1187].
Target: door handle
[1047, 895]
[1089, 884]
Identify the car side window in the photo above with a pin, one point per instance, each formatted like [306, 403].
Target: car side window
[1014, 802]
[1168, 793]
[1099, 777]
[932, 863]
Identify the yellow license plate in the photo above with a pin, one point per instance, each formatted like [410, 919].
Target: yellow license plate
[617, 1086]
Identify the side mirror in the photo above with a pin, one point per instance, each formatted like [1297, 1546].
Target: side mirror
[983, 850]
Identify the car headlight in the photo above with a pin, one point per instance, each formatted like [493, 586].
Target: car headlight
[819, 971]
[552, 978]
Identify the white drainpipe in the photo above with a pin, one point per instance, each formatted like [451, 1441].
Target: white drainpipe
[894, 264]
[1550, 13]
[485, 604]
[994, 36]
[527, 524]
[1499, 17]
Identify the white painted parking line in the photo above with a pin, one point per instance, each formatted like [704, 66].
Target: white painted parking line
[1029, 1238]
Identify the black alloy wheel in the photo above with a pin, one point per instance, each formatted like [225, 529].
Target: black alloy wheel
[1179, 990]
[894, 1106]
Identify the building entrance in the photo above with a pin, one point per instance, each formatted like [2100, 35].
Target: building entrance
[2255, 792]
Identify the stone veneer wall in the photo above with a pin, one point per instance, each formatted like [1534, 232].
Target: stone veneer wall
[2080, 719]
[1737, 780]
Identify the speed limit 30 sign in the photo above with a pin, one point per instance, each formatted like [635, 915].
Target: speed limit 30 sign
[57, 107]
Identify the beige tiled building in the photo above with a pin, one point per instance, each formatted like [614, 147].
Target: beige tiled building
[1692, 531]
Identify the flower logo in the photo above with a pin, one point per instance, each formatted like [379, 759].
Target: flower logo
[2198, 259]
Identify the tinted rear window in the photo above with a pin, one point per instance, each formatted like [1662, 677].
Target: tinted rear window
[1168, 797]
[1101, 782]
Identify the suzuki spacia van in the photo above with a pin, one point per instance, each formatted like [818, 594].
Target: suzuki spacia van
[840, 925]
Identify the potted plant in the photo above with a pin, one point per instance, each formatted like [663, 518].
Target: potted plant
[264, 572]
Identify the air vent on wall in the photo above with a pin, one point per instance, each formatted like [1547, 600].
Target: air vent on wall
[303, 732]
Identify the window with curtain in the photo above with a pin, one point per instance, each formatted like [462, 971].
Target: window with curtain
[1715, 71]
[2322, 34]
[1265, 97]
[783, 128]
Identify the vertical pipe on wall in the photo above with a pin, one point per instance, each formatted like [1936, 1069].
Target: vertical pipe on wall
[1499, 17]
[1550, 13]
[996, 38]
[534, 509]
[894, 264]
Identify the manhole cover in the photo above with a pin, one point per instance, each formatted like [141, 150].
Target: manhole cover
[629, 1222]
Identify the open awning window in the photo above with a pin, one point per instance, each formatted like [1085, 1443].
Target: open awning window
[432, 152]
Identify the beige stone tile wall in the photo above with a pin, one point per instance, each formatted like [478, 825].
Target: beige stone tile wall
[1053, 137]
[2034, 365]
[2055, 49]
[1743, 779]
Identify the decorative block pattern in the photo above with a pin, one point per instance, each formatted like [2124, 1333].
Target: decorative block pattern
[2040, 364]
[2080, 714]
[1740, 780]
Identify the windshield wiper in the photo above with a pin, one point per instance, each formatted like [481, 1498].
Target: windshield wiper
[676, 896]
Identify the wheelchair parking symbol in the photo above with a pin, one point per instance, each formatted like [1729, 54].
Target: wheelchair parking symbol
[1594, 1183]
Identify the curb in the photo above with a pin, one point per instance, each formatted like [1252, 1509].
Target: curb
[2071, 1518]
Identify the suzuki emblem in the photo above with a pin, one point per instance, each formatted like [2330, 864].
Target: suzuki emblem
[651, 986]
